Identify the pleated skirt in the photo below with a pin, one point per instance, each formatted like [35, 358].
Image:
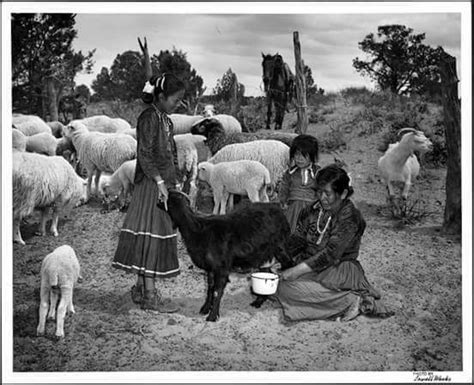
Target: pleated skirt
[147, 243]
[328, 294]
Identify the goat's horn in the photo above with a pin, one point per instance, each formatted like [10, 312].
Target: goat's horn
[407, 130]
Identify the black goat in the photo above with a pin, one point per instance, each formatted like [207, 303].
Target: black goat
[216, 137]
[248, 237]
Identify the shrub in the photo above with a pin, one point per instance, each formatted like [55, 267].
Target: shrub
[333, 139]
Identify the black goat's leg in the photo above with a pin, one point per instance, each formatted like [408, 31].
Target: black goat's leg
[221, 280]
[210, 294]
[259, 300]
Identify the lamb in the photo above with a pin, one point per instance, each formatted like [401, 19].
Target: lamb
[121, 182]
[217, 137]
[100, 152]
[57, 128]
[399, 163]
[182, 123]
[129, 131]
[105, 124]
[242, 177]
[274, 155]
[18, 140]
[47, 183]
[60, 270]
[30, 124]
[42, 143]
[249, 237]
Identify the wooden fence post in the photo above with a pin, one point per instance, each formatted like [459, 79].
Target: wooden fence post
[452, 129]
[302, 124]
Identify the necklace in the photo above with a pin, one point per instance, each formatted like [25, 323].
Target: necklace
[323, 231]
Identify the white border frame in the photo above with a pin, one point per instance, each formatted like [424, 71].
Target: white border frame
[245, 8]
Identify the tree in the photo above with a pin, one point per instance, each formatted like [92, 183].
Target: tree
[43, 62]
[228, 87]
[103, 86]
[399, 61]
[83, 92]
[311, 87]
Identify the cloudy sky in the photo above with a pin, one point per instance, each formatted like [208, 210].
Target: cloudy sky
[215, 42]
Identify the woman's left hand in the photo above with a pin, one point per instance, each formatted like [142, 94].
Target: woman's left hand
[296, 271]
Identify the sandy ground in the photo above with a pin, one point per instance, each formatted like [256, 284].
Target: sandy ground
[417, 269]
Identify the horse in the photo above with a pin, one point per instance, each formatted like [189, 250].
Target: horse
[278, 82]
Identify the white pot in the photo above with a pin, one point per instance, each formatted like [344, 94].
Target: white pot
[264, 283]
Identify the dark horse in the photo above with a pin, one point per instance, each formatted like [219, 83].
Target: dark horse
[278, 85]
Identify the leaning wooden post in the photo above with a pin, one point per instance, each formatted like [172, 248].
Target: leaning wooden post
[452, 131]
[146, 58]
[302, 124]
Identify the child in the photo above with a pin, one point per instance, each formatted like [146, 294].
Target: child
[297, 189]
[147, 243]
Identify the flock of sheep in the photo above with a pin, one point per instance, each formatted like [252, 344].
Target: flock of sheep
[212, 148]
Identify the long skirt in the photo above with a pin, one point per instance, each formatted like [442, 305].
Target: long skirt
[293, 212]
[328, 294]
[147, 244]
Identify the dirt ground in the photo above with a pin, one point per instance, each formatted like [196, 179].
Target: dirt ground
[417, 269]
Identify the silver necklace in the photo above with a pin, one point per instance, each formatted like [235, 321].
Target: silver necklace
[323, 231]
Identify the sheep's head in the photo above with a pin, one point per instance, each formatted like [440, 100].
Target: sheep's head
[73, 127]
[204, 171]
[207, 127]
[209, 110]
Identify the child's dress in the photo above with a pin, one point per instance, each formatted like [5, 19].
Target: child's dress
[147, 243]
[297, 190]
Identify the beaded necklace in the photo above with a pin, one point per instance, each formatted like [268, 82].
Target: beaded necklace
[323, 231]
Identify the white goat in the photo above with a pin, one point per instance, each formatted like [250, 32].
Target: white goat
[399, 163]
[60, 270]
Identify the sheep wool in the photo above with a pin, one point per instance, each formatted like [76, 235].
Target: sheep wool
[57, 128]
[59, 270]
[182, 123]
[18, 140]
[43, 182]
[42, 143]
[105, 124]
[30, 124]
[273, 154]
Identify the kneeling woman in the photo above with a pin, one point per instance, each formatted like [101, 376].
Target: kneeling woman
[328, 282]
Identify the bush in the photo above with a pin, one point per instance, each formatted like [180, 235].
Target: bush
[333, 139]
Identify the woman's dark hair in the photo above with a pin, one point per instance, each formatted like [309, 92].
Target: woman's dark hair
[335, 176]
[166, 84]
[307, 145]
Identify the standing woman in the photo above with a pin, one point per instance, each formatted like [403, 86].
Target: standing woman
[147, 243]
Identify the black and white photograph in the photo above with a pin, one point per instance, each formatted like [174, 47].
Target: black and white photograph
[236, 192]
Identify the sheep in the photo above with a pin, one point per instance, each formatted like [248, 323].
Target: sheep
[249, 237]
[57, 128]
[103, 123]
[199, 142]
[399, 163]
[129, 131]
[30, 124]
[217, 137]
[18, 140]
[182, 123]
[42, 143]
[228, 123]
[100, 152]
[209, 110]
[47, 183]
[274, 155]
[121, 182]
[242, 177]
[60, 270]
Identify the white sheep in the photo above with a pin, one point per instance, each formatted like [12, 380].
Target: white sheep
[129, 131]
[182, 123]
[30, 124]
[42, 143]
[103, 123]
[60, 270]
[57, 128]
[100, 152]
[399, 163]
[47, 183]
[188, 160]
[229, 123]
[121, 181]
[18, 140]
[273, 154]
[209, 110]
[241, 177]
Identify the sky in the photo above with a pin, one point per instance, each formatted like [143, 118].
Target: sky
[214, 42]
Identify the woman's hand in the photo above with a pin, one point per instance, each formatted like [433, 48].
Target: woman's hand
[294, 272]
[163, 194]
